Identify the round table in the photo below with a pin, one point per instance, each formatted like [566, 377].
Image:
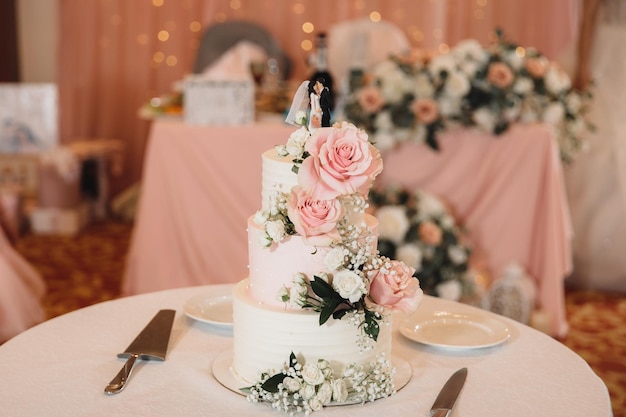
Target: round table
[60, 368]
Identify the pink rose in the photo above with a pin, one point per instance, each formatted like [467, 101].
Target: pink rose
[536, 67]
[430, 233]
[393, 286]
[425, 110]
[500, 75]
[370, 99]
[341, 162]
[315, 220]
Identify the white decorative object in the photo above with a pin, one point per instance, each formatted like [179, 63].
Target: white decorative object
[211, 102]
[28, 117]
[513, 294]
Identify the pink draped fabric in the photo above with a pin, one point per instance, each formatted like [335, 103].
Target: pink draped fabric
[21, 290]
[114, 55]
[202, 183]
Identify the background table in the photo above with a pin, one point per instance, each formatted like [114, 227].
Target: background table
[60, 368]
[201, 183]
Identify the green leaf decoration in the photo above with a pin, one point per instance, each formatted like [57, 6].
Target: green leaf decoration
[323, 289]
[271, 385]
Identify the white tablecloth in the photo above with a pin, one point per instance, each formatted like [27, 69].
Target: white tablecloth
[61, 367]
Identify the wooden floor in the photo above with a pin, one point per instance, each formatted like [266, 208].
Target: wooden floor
[88, 269]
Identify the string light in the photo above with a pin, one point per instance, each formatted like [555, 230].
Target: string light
[375, 16]
[308, 27]
[163, 35]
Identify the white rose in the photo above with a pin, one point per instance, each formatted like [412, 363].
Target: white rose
[429, 205]
[523, 85]
[457, 84]
[449, 290]
[340, 391]
[411, 255]
[281, 150]
[514, 60]
[557, 80]
[469, 48]
[349, 285]
[383, 121]
[441, 63]
[275, 229]
[300, 117]
[315, 404]
[292, 384]
[457, 254]
[334, 259]
[311, 374]
[449, 106]
[485, 119]
[384, 140]
[307, 391]
[512, 112]
[296, 295]
[446, 221]
[325, 393]
[264, 240]
[296, 142]
[529, 109]
[554, 114]
[392, 223]
[574, 103]
[424, 87]
[469, 68]
[260, 217]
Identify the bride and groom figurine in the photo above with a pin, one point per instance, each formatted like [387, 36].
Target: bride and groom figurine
[315, 96]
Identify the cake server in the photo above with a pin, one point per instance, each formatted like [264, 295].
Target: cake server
[150, 344]
[448, 395]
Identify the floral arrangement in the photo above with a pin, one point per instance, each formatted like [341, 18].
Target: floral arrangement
[418, 229]
[417, 96]
[335, 169]
[304, 387]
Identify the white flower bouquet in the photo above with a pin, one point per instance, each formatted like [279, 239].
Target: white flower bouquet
[415, 97]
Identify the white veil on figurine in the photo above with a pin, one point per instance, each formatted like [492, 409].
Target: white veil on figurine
[299, 103]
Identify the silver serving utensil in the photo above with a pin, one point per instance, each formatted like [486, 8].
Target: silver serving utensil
[449, 393]
[150, 344]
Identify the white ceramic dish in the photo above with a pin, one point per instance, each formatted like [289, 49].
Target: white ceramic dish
[217, 311]
[455, 331]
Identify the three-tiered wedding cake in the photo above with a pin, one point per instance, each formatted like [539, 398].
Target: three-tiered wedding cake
[315, 310]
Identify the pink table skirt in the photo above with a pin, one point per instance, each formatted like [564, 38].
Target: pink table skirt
[200, 185]
[509, 193]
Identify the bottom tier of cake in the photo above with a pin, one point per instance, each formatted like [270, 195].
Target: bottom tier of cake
[264, 337]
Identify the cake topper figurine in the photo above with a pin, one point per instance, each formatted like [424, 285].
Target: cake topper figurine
[315, 97]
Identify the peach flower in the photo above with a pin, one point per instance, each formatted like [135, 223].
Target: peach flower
[394, 286]
[341, 162]
[536, 67]
[425, 110]
[500, 75]
[315, 220]
[430, 233]
[370, 99]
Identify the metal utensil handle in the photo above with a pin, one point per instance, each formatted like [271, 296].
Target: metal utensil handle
[118, 383]
[441, 413]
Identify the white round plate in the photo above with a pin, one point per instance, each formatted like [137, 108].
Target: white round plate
[223, 372]
[217, 311]
[455, 330]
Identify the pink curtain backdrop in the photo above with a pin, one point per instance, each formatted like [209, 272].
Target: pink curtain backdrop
[114, 55]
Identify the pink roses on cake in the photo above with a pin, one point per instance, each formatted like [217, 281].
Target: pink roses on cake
[315, 220]
[394, 286]
[341, 162]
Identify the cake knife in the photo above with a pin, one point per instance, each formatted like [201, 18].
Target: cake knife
[150, 344]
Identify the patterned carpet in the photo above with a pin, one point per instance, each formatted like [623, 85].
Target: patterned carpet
[88, 268]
